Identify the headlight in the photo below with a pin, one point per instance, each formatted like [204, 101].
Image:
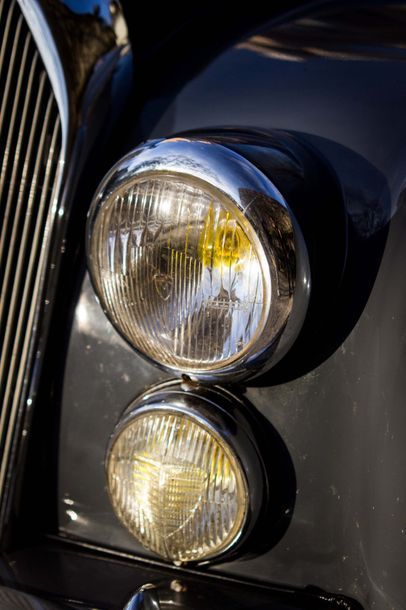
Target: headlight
[194, 256]
[175, 477]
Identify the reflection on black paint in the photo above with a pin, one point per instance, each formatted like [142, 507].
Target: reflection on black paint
[360, 34]
[82, 39]
[368, 207]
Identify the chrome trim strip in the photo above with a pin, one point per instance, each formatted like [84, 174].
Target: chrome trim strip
[6, 94]
[4, 44]
[50, 56]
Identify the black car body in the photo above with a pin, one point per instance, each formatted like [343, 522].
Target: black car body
[84, 83]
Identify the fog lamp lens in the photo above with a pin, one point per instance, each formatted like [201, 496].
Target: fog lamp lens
[177, 486]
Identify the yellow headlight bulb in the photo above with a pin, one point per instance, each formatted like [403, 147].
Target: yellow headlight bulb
[223, 242]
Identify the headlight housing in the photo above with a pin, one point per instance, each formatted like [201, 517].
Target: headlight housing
[197, 259]
[184, 473]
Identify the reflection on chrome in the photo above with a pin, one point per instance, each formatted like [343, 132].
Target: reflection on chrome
[73, 516]
[194, 255]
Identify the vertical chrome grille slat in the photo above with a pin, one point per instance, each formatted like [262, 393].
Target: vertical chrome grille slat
[17, 369]
[19, 209]
[15, 161]
[12, 123]
[15, 285]
[9, 80]
[31, 165]
[5, 33]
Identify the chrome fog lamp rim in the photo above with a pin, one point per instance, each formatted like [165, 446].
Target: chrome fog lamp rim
[217, 167]
[218, 411]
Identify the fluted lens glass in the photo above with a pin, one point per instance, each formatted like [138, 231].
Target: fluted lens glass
[177, 486]
[180, 271]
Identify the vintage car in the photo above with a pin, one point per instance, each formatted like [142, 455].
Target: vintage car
[202, 305]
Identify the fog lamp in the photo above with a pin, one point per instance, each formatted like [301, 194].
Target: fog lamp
[177, 484]
[194, 255]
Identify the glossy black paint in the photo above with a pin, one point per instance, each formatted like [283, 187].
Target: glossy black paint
[339, 89]
[338, 404]
[345, 420]
[74, 577]
[336, 81]
[161, 51]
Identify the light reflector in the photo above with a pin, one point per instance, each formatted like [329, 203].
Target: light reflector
[177, 485]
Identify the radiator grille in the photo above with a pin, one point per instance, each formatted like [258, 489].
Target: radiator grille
[30, 155]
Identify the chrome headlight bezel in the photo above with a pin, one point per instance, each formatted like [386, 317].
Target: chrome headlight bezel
[265, 209]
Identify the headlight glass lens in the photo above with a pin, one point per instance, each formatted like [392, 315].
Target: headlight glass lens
[180, 271]
[177, 486]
